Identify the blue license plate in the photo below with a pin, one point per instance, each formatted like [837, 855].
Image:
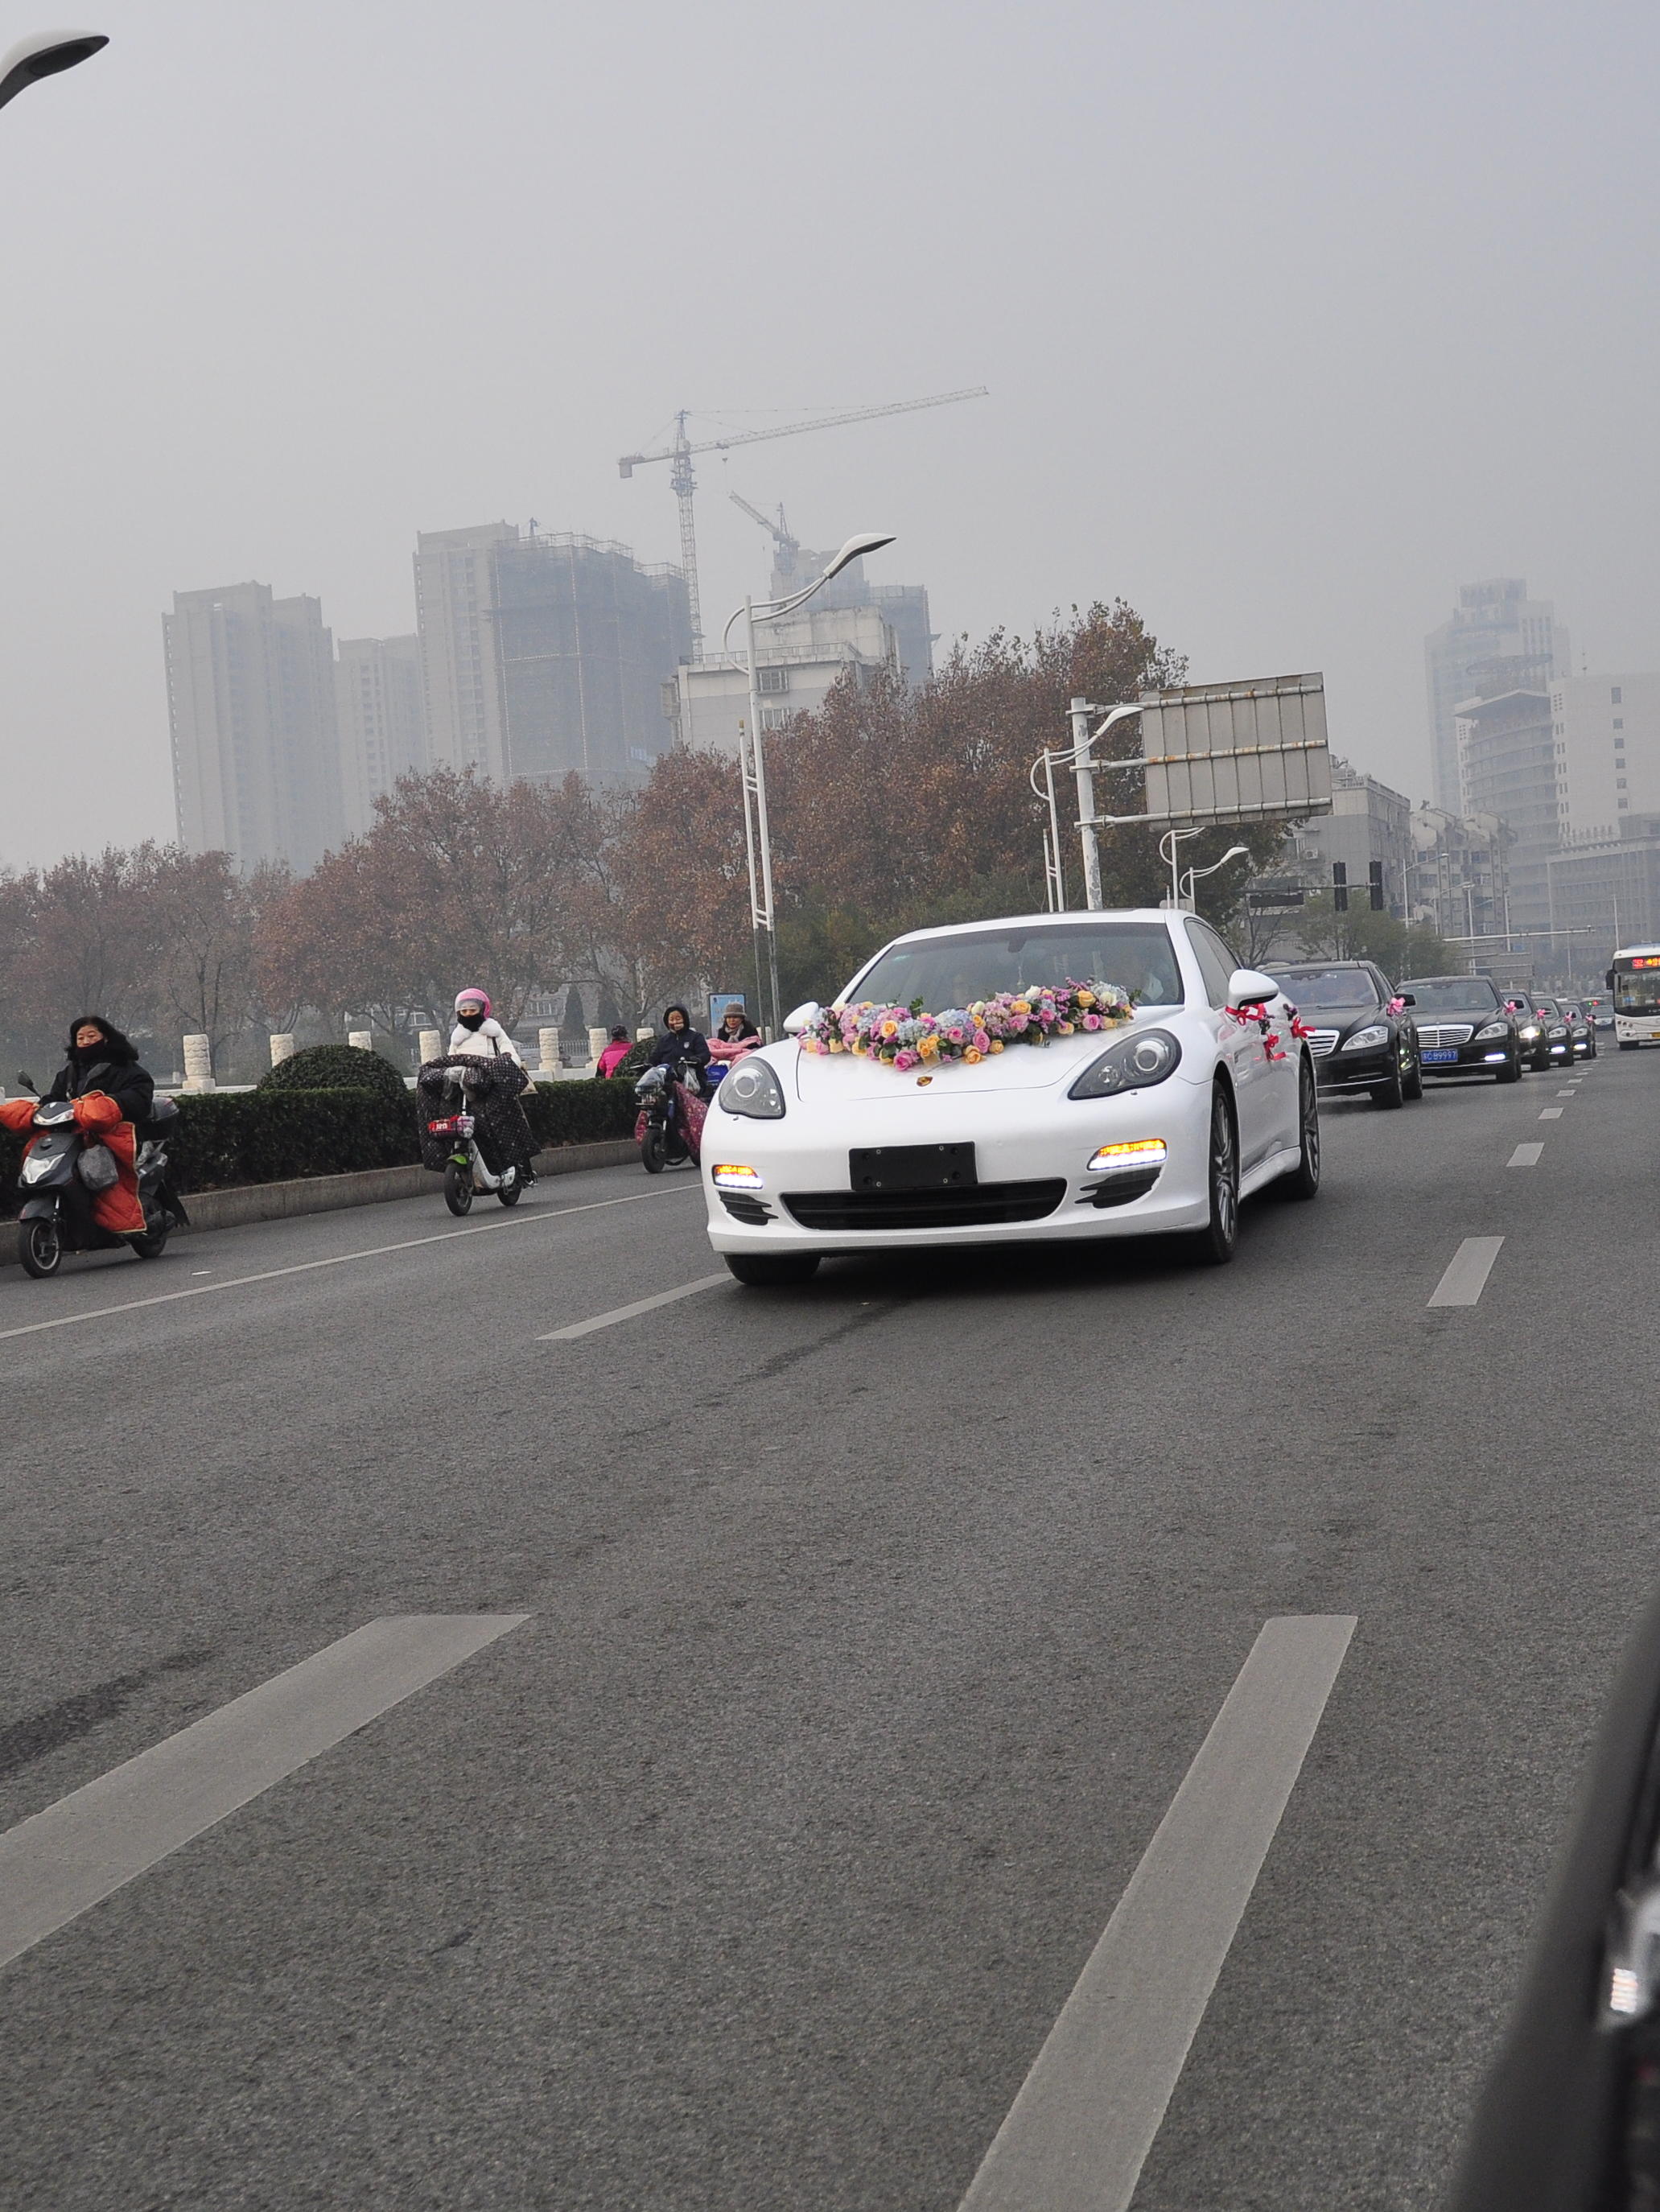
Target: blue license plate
[1438, 1057]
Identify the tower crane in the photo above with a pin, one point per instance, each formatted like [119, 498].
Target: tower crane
[788, 545]
[679, 452]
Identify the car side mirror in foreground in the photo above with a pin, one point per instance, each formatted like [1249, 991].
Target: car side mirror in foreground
[26, 1080]
[1248, 987]
[1561, 2125]
[794, 1023]
[1407, 999]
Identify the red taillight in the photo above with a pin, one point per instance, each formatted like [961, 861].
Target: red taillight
[442, 1128]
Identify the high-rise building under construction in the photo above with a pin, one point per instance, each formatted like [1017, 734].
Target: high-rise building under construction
[541, 654]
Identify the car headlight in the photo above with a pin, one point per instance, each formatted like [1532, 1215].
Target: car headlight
[1530, 1029]
[1374, 1034]
[1134, 1062]
[1493, 1029]
[752, 1088]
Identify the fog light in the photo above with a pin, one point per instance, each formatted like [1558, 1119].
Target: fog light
[1143, 1153]
[727, 1176]
[1493, 1055]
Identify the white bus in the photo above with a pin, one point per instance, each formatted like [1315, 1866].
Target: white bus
[1634, 981]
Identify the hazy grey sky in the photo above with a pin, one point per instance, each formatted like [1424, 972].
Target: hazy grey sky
[1294, 315]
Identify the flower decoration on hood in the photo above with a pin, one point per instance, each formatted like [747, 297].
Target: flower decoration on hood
[906, 1037]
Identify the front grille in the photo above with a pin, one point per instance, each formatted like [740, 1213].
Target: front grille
[1447, 1033]
[743, 1206]
[977, 1205]
[1322, 1043]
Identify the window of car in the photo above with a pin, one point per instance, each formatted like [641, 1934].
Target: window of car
[1216, 963]
[1330, 990]
[1453, 994]
[955, 970]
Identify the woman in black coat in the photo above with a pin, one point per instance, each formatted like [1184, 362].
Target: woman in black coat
[102, 1058]
[681, 1042]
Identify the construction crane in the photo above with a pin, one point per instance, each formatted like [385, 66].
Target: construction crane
[682, 482]
[786, 543]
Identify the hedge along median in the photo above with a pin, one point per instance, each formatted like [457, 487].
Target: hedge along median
[225, 1141]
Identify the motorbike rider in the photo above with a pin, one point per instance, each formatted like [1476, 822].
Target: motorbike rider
[479, 1036]
[681, 1042]
[111, 1093]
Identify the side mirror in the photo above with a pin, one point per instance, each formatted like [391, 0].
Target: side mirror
[1248, 987]
[1607, 981]
[796, 1021]
[26, 1080]
[1407, 999]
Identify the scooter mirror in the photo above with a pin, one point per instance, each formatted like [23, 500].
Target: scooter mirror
[26, 1080]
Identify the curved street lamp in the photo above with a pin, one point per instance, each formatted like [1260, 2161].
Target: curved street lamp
[753, 774]
[44, 55]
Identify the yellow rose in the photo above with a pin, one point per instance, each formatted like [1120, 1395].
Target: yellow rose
[1063, 1029]
[997, 1045]
[1020, 1007]
[837, 1045]
[971, 1055]
[889, 1029]
[1086, 998]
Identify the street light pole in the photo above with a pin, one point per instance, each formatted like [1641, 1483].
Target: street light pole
[752, 774]
[1084, 761]
[44, 55]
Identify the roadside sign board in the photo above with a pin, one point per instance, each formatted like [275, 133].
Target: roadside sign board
[1236, 752]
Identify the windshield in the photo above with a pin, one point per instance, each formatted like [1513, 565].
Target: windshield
[1637, 985]
[956, 971]
[1453, 994]
[1545, 1006]
[1328, 990]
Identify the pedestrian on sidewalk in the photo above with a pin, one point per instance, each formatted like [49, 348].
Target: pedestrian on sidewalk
[615, 1053]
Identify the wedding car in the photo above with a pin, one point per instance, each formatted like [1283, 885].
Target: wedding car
[1044, 1077]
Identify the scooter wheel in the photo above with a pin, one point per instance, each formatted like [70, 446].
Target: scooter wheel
[654, 1151]
[458, 1188]
[510, 1192]
[152, 1244]
[40, 1248]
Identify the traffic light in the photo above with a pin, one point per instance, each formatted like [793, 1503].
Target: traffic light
[1375, 872]
[1339, 887]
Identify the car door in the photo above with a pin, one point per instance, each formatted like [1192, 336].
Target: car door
[1240, 1045]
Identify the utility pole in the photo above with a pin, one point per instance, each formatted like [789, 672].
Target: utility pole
[1084, 760]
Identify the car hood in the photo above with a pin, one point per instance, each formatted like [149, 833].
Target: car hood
[846, 1078]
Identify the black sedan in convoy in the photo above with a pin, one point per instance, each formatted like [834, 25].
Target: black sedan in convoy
[1559, 1037]
[1365, 1036]
[1534, 1029]
[1464, 1027]
[1582, 1031]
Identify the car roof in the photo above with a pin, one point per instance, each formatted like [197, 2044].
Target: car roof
[1487, 979]
[1296, 967]
[1157, 914]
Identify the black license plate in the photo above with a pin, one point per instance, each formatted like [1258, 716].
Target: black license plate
[912, 1167]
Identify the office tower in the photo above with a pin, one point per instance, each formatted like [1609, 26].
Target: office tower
[1507, 769]
[256, 760]
[1605, 734]
[541, 654]
[377, 692]
[1498, 640]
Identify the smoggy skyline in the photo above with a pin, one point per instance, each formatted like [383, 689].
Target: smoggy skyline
[1293, 321]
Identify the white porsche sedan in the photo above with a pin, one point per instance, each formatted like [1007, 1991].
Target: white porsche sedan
[1203, 1092]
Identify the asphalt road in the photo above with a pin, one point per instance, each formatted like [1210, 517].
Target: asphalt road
[872, 1628]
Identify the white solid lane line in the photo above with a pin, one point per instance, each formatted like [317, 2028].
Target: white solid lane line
[89, 1845]
[340, 1258]
[1466, 1274]
[627, 1313]
[1525, 1156]
[1077, 2133]
[1550, 1113]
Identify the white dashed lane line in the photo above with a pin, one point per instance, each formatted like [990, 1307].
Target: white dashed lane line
[56, 1865]
[1078, 2131]
[1525, 1156]
[1550, 1113]
[1466, 1274]
[342, 1259]
[629, 1313]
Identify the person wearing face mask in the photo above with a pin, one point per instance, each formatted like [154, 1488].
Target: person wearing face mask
[111, 1093]
[479, 1036]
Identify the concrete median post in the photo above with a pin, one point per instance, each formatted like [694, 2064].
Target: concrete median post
[598, 1040]
[363, 1039]
[282, 1048]
[198, 1063]
[432, 1044]
[547, 1046]
[644, 1037]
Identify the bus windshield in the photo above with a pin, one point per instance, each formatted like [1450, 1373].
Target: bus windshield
[1637, 983]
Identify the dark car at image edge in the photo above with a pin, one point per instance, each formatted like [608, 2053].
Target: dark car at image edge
[1464, 1027]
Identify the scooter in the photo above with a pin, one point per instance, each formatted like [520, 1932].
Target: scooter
[48, 1225]
[670, 1122]
[466, 1173]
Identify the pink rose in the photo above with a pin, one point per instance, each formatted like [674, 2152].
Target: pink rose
[1092, 1021]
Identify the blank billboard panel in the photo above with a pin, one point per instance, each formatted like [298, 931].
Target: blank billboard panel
[1236, 752]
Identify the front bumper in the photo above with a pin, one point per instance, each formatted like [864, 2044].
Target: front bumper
[1054, 1146]
[1355, 1071]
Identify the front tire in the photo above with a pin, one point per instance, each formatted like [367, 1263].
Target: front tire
[458, 1187]
[1392, 1091]
[1303, 1181]
[1510, 1072]
[654, 1151]
[1215, 1244]
[152, 1244]
[1412, 1084]
[40, 1248]
[772, 1271]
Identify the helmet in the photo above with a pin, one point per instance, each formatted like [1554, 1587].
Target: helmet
[472, 998]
